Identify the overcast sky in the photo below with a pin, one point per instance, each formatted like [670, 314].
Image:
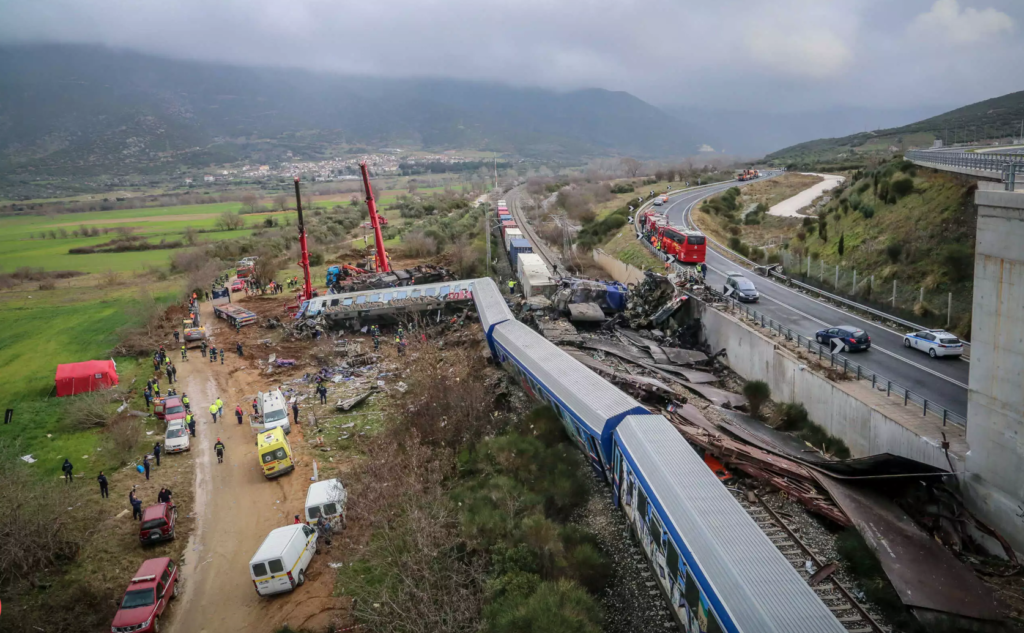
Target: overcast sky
[781, 55]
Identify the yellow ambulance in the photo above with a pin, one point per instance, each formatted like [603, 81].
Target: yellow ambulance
[274, 452]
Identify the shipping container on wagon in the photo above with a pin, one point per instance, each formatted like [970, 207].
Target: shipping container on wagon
[517, 248]
[512, 234]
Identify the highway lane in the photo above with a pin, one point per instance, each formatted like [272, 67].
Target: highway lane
[942, 381]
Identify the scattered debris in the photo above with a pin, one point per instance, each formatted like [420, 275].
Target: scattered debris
[29, 459]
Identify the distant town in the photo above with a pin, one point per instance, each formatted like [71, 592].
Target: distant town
[326, 170]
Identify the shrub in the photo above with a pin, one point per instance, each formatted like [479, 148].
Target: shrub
[867, 211]
[801, 235]
[808, 221]
[316, 258]
[553, 607]
[893, 250]
[757, 393]
[735, 242]
[902, 186]
[752, 219]
[735, 230]
[883, 190]
[623, 187]
[958, 260]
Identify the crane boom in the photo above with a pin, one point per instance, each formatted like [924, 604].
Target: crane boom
[380, 256]
[307, 284]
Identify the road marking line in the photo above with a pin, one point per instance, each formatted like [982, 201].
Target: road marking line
[873, 346]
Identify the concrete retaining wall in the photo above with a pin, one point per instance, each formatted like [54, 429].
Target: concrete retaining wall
[849, 411]
[618, 270]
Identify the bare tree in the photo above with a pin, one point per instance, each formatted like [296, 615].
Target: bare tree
[631, 165]
[229, 221]
[464, 258]
[191, 235]
[250, 202]
[266, 268]
[281, 202]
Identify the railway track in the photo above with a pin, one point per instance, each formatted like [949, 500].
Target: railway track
[516, 204]
[829, 589]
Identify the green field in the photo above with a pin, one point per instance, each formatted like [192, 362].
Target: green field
[41, 330]
[22, 242]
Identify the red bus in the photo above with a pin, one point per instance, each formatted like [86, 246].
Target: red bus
[688, 247]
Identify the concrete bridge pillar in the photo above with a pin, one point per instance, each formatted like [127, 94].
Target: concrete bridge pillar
[994, 485]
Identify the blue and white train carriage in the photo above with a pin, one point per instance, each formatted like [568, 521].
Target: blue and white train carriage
[720, 573]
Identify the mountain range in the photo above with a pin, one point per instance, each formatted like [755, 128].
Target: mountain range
[1001, 118]
[101, 110]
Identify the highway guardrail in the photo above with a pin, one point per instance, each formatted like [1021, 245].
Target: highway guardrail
[848, 367]
[966, 160]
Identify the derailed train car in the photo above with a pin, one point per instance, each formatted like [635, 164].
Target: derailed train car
[719, 572]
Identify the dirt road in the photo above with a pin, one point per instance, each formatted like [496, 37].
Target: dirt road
[236, 507]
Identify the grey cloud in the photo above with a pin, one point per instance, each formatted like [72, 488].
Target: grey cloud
[786, 55]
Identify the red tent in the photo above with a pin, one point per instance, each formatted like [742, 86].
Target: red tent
[91, 375]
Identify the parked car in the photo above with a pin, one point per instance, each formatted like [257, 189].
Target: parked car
[157, 523]
[280, 563]
[169, 409]
[152, 587]
[237, 285]
[176, 439]
[935, 343]
[854, 338]
[742, 288]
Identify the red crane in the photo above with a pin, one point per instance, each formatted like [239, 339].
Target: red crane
[307, 285]
[380, 256]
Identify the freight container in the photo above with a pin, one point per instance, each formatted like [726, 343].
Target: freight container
[518, 247]
[528, 260]
[507, 224]
[512, 234]
[537, 280]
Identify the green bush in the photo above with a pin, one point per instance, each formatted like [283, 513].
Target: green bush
[867, 210]
[623, 187]
[553, 607]
[808, 221]
[757, 393]
[883, 190]
[752, 219]
[316, 258]
[735, 230]
[902, 186]
[893, 250]
[734, 243]
[958, 260]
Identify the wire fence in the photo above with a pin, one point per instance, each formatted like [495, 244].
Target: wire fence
[849, 368]
[912, 302]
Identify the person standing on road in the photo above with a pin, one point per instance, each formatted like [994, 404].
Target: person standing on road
[219, 448]
[170, 376]
[322, 390]
[148, 395]
[174, 372]
[177, 336]
[220, 406]
[156, 388]
[67, 468]
[213, 354]
[146, 465]
[202, 349]
[238, 413]
[185, 402]
[295, 412]
[238, 348]
[213, 412]
[190, 420]
[511, 286]
[157, 449]
[104, 492]
[184, 353]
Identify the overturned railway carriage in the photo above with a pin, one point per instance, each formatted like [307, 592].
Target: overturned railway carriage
[717, 569]
[388, 305]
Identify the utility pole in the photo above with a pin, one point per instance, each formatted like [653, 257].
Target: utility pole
[487, 238]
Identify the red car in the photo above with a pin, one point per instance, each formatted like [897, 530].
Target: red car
[237, 285]
[157, 523]
[169, 409]
[154, 585]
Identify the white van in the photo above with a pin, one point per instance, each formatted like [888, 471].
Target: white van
[273, 410]
[327, 499]
[280, 563]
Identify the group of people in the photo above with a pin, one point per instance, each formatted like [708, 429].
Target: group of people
[256, 287]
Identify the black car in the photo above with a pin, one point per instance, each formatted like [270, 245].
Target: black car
[742, 288]
[854, 338]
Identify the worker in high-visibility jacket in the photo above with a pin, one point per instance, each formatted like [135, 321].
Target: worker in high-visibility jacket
[213, 412]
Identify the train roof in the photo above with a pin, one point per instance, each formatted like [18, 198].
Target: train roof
[384, 296]
[489, 303]
[591, 397]
[732, 559]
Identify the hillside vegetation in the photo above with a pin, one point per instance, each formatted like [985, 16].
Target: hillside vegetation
[992, 119]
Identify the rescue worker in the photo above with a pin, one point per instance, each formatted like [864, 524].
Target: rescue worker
[67, 468]
[176, 336]
[136, 505]
[295, 412]
[185, 402]
[511, 286]
[213, 354]
[146, 465]
[376, 343]
[255, 407]
[220, 406]
[184, 353]
[202, 349]
[174, 372]
[148, 395]
[156, 388]
[104, 492]
[157, 449]
[219, 447]
[213, 412]
[297, 521]
[164, 496]
[322, 390]
[170, 374]
[238, 413]
[190, 420]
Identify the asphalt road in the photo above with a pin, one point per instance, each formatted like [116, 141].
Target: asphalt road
[942, 381]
